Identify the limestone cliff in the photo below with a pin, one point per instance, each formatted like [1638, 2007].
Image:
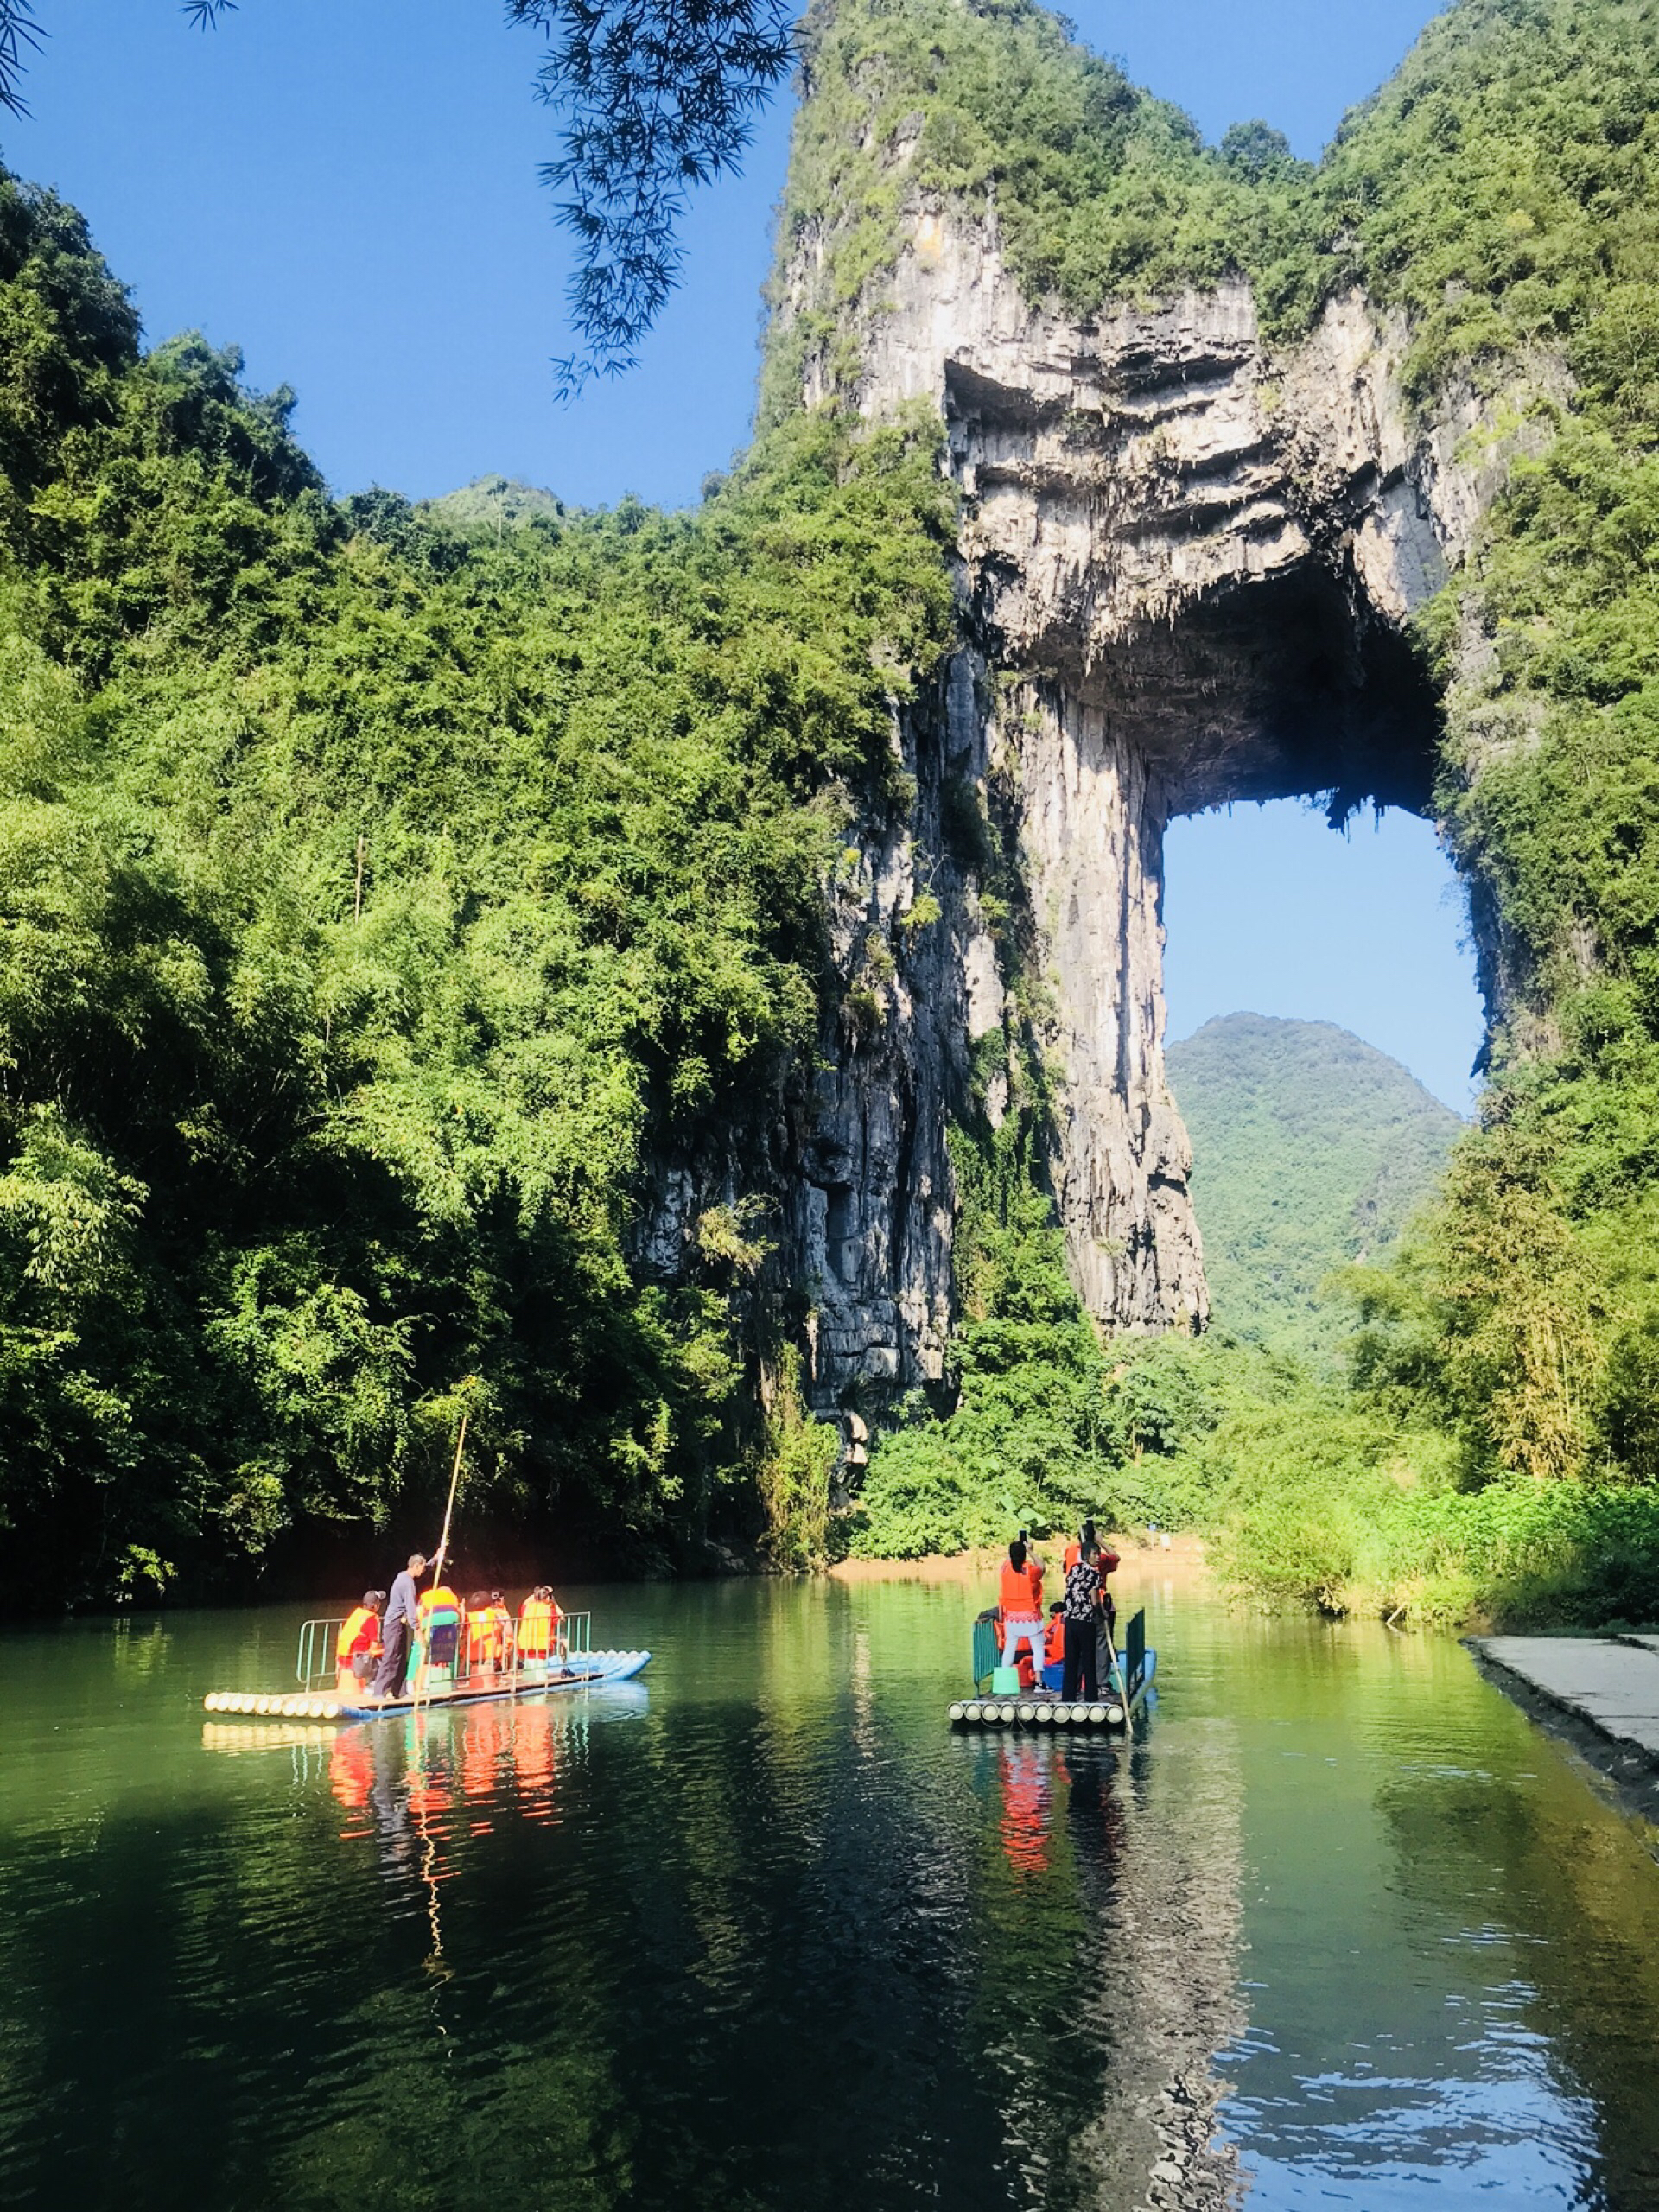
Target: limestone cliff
[1184, 567]
[1186, 563]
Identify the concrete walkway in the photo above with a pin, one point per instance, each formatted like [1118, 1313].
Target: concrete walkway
[1610, 1682]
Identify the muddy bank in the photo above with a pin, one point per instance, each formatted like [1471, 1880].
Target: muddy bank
[1171, 1563]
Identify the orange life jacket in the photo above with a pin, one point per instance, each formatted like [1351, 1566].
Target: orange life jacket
[439, 1599]
[358, 1631]
[487, 1637]
[1022, 1591]
[1054, 1642]
[539, 1617]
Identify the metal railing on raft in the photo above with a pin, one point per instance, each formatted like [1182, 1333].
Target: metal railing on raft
[316, 1666]
[308, 1670]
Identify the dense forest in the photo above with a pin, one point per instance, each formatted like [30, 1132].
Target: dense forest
[370, 887]
[381, 888]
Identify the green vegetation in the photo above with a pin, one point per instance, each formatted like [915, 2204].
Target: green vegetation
[1050, 1423]
[1500, 187]
[1528, 1315]
[1351, 1493]
[375, 893]
[494, 504]
[388, 894]
[1337, 1505]
[1029, 1438]
[1099, 188]
[1309, 1151]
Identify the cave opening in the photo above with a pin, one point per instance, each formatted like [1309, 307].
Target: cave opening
[1289, 686]
[1280, 725]
[1294, 735]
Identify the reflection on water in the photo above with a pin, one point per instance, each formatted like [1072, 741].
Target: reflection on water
[758, 1931]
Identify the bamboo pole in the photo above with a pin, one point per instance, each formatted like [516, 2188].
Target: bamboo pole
[443, 1558]
[1115, 1673]
[454, 1477]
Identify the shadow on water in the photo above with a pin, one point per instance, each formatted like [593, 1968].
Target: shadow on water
[761, 1932]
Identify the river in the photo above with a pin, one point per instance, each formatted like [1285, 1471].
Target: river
[761, 1931]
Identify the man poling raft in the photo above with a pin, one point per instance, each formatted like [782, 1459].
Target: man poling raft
[405, 1651]
[1065, 1672]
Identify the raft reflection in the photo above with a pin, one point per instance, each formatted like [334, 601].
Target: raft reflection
[1134, 1852]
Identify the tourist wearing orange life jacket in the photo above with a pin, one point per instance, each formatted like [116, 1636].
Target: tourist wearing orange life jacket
[357, 1648]
[487, 1622]
[441, 1619]
[1053, 1656]
[1021, 1595]
[1054, 1636]
[538, 1625]
[501, 1620]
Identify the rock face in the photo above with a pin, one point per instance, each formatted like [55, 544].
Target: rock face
[1184, 567]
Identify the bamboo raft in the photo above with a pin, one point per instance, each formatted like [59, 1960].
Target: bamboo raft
[585, 1670]
[1125, 1698]
[566, 1662]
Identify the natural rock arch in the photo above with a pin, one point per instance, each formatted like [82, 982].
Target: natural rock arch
[1187, 569]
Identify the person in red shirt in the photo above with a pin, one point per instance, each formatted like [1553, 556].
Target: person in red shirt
[1086, 1538]
[357, 1648]
[1022, 1599]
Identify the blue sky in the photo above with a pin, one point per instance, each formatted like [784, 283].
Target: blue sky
[346, 189]
[1267, 908]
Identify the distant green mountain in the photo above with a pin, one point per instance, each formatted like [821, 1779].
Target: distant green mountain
[1309, 1150]
[494, 502]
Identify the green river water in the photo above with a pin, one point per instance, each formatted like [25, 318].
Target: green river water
[761, 1931]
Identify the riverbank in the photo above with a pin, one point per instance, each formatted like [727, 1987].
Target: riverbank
[1599, 1693]
[1171, 1564]
[1511, 1557]
[1305, 1520]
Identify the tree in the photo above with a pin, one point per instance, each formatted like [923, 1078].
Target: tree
[654, 97]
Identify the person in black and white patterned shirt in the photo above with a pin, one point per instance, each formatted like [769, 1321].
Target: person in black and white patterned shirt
[1080, 1610]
